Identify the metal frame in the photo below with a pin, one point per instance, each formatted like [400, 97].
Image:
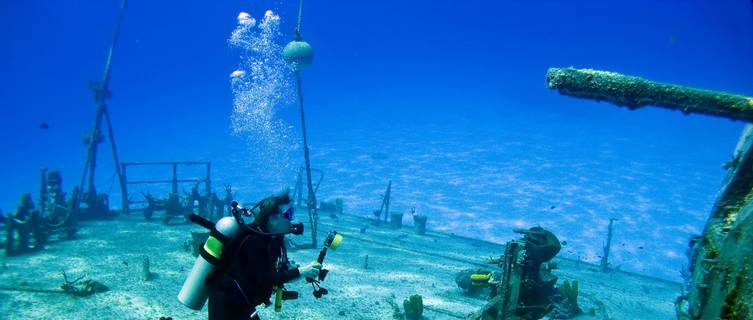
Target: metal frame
[298, 190]
[174, 181]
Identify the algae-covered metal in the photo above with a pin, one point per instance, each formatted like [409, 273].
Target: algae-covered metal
[720, 285]
[526, 287]
[635, 92]
[719, 282]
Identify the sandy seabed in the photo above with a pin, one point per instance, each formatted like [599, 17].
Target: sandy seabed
[400, 264]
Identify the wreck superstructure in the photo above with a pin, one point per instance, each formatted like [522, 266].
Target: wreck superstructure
[719, 282]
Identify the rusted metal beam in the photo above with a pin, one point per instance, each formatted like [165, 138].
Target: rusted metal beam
[635, 92]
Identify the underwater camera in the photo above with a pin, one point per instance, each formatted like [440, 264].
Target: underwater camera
[332, 241]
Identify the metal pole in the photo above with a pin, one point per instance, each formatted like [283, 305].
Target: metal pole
[92, 155]
[124, 190]
[175, 178]
[43, 191]
[604, 266]
[208, 187]
[101, 93]
[208, 184]
[387, 201]
[298, 190]
[116, 161]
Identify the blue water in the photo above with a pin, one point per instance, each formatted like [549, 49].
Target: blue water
[445, 98]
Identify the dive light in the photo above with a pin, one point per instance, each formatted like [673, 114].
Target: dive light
[332, 241]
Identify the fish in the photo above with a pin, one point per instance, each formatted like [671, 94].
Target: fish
[379, 156]
[44, 126]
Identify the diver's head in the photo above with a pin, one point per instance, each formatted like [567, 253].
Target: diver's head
[276, 216]
[269, 206]
[280, 222]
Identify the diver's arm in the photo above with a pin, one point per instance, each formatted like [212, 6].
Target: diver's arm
[280, 277]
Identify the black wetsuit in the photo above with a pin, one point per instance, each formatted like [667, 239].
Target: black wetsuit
[247, 274]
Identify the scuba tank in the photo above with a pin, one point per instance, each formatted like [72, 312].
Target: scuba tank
[194, 292]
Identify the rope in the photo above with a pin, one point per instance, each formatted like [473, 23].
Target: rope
[298, 24]
[311, 200]
[445, 312]
[21, 222]
[12, 218]
[111, 181]
[62, 221]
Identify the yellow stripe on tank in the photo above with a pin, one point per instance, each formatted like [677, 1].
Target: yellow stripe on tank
[213, 247]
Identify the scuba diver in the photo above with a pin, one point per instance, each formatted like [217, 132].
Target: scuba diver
[254, 263]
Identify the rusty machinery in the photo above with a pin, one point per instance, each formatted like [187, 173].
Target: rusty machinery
[30, 227]
[525, 287]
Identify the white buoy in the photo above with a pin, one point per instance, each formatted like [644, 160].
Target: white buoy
[298, 53]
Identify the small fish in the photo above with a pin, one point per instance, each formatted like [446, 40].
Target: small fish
[125, 263]
[564, 243]
[379, 156]
[552, 207]
[641, 247]
[44, 126]
[672, 40]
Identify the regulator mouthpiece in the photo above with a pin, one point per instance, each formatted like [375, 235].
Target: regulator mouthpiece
[297, 229]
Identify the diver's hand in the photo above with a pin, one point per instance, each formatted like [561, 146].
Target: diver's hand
[310, 270]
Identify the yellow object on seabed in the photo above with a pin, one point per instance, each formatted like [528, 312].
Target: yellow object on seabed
[480, 279]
